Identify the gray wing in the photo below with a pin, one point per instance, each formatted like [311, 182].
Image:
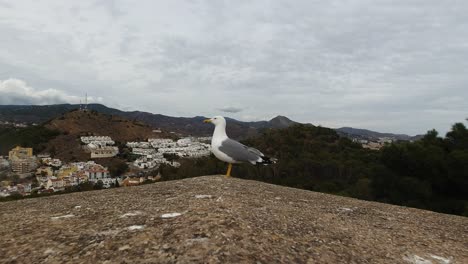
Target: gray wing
[239, 152]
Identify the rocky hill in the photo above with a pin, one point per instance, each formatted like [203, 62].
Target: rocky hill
[72, 125]
[281, 122]
[214, 219]
[91, 122]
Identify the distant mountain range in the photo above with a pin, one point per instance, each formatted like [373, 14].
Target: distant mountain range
[183, 125]
[368, 134]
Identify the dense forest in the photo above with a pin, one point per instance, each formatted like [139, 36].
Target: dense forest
[431, 173]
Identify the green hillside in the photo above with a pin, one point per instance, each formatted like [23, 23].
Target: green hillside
[34, 136]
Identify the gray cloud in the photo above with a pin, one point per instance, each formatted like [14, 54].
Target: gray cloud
[396, 66]
[230, 109]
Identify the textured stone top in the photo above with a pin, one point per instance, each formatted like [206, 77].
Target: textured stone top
[212, 219]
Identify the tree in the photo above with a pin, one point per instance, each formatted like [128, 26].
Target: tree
[15, 178]
[458, 136]
[53, 151]
[170, 156]
[98, 185]
[431, 173]
[118, 167]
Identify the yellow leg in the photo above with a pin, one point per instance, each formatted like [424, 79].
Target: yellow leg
[228, 173]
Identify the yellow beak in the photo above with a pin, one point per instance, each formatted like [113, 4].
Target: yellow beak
[207, 121]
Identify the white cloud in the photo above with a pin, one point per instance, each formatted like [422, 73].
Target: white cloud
[17, 92]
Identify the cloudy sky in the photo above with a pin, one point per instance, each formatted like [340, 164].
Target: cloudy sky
[391, 66]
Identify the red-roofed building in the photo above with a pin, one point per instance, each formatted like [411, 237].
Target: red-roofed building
[96, 172]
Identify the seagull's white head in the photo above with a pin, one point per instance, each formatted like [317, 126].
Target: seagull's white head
[217, 120]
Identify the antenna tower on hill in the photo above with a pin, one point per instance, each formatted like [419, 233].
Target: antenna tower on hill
[84, 107]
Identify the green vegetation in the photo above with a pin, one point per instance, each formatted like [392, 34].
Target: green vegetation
[117, 167]
[35, 137]
[171, 156]
[431, 173]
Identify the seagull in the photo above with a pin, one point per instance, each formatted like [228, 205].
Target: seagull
[231, 151]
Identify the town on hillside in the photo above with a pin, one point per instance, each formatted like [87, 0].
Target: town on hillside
[373, 143]
[22, 173]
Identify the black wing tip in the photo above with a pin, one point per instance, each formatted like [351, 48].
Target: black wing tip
[267, 161]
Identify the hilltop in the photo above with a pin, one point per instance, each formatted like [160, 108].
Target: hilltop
[224, 221]
[281, 122]
[118, 128]
[61, 135]
[72, 125]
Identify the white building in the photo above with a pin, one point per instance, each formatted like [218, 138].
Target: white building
[108, 182]
[143, 151]
[96, 172]
[43, 155]
[104, 152]
[100, 146]
[4, 163]
[146, 162]
[55, 184]
[184, 142]
[24, 164]
[4, 192]
[98, 140]
[52, 162]
[81, 165]
[139, 144]
[160, 140]
[72, 180]
[153, 154]
[162, 143]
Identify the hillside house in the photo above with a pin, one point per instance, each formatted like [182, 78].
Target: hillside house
[20, 152]
[55, 184]
[96, 172]
[98, 140]
[104, 152]
[23, 165]
[52, 162]
[143, 151]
